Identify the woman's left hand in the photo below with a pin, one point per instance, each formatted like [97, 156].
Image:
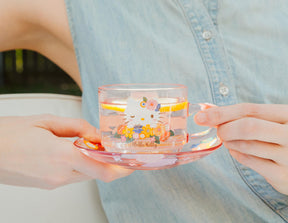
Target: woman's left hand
[256, 136]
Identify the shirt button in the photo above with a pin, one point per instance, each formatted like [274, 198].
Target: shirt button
[224, 90]
[207, 35]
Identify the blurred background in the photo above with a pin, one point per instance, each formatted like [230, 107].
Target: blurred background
[24, 71]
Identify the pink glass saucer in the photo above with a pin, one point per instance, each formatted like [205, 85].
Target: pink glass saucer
[195, 149]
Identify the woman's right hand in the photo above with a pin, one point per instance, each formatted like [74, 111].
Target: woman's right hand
[34, 153]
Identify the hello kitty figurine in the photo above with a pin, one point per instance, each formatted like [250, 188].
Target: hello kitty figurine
[142, 112]
[142, 123]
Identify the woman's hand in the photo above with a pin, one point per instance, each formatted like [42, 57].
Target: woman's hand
[32, 152]
[256, 136]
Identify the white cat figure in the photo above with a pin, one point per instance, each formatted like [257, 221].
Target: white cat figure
[142, 112]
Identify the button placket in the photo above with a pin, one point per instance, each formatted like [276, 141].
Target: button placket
[207, 34]
[212, 51]
[223, 89]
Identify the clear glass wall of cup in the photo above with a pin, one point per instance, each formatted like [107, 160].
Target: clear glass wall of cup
[145, 118]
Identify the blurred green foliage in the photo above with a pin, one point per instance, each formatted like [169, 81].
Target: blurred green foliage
[23, 71]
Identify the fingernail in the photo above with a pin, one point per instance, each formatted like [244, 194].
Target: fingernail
[201, 117]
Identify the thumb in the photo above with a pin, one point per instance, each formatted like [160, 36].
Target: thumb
[68, 127]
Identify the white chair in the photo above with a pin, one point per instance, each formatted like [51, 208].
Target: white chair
[73, 203]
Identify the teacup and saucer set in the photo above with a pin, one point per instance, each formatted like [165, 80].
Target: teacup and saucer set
[144, 127]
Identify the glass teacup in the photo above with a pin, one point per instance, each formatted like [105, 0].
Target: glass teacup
[145, 118]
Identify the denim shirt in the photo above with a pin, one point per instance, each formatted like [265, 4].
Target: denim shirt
[226, 52]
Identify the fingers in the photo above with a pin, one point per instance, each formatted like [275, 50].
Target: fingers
[259, 149]
[275, 174]
[80, 163]
[218, 115]
[68, 127]
[76, 176]
[56, 182]
[97, 170]
[76, 167]
[256, 136]
[254, 129]
[262, 166]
